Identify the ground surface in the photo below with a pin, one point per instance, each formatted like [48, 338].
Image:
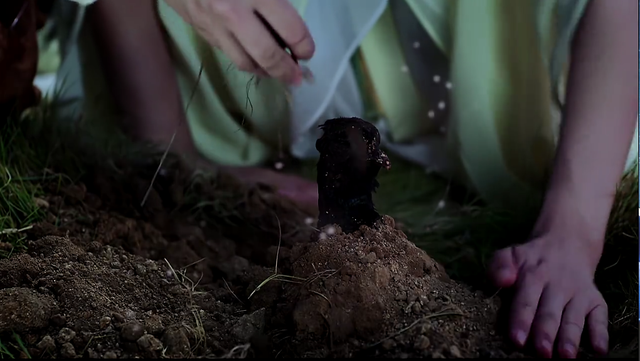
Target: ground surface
[193, 272]
[105, 278]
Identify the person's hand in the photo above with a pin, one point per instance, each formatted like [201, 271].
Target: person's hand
[300, 190]
[555, 293]
[233, 27]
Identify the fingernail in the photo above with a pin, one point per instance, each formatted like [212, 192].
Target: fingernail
[521, 337]
[569, 350]
[546, 346]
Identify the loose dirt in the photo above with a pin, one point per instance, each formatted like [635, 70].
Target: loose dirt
[104, 277]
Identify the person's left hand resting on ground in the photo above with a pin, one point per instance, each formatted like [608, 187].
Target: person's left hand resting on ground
[553, 273]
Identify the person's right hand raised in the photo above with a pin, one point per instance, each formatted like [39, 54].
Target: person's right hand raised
[233, 27]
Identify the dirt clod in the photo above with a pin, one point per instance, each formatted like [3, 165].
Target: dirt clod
[422, 343]
[132, 331]
[249, 325]
[59, 320]
[23, 309]
[104, 322]
[67, 350]
[110, 355]
[176, 341]
[455, 351]
[153, 325]
[66, 335]
[47, 343]
[149, 343]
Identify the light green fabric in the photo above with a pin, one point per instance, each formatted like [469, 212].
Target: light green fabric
[507, 62]
[504, 56]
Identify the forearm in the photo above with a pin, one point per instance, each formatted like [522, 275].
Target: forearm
[139, 69]
[599, 119]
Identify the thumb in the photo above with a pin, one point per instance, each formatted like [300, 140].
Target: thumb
[503, 269]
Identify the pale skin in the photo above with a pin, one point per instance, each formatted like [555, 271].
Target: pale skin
[552, 274]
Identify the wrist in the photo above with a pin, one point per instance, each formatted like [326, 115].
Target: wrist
[569, 217]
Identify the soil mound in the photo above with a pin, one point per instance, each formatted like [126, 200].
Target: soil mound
[377, 289]
[102, 278]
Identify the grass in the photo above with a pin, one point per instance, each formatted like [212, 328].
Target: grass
[9, 350]
[18, 207]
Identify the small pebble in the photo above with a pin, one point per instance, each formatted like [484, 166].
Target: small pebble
[66, 335]
[433, 306]
[41, 203]
[371, 257]
[424, 328]
[118, 317]
[149, 343]
[59, 320]
[388, 344]
[47, 343]
[129, 314]
[132, 331]
[422, 343]
[153, 325]
[151, 266]
[110, 355]
[455, 351]
[104, 322]
[115, 265]
[140, 270]
[67, 350]
[92, 353]
[416, 308]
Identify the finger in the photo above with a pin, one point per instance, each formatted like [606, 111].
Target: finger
[503, 270]
[525, 303]
[598, 327]
[571, 327]
[547, 320]
[234, 51]
[256, 40]
[286, 21]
